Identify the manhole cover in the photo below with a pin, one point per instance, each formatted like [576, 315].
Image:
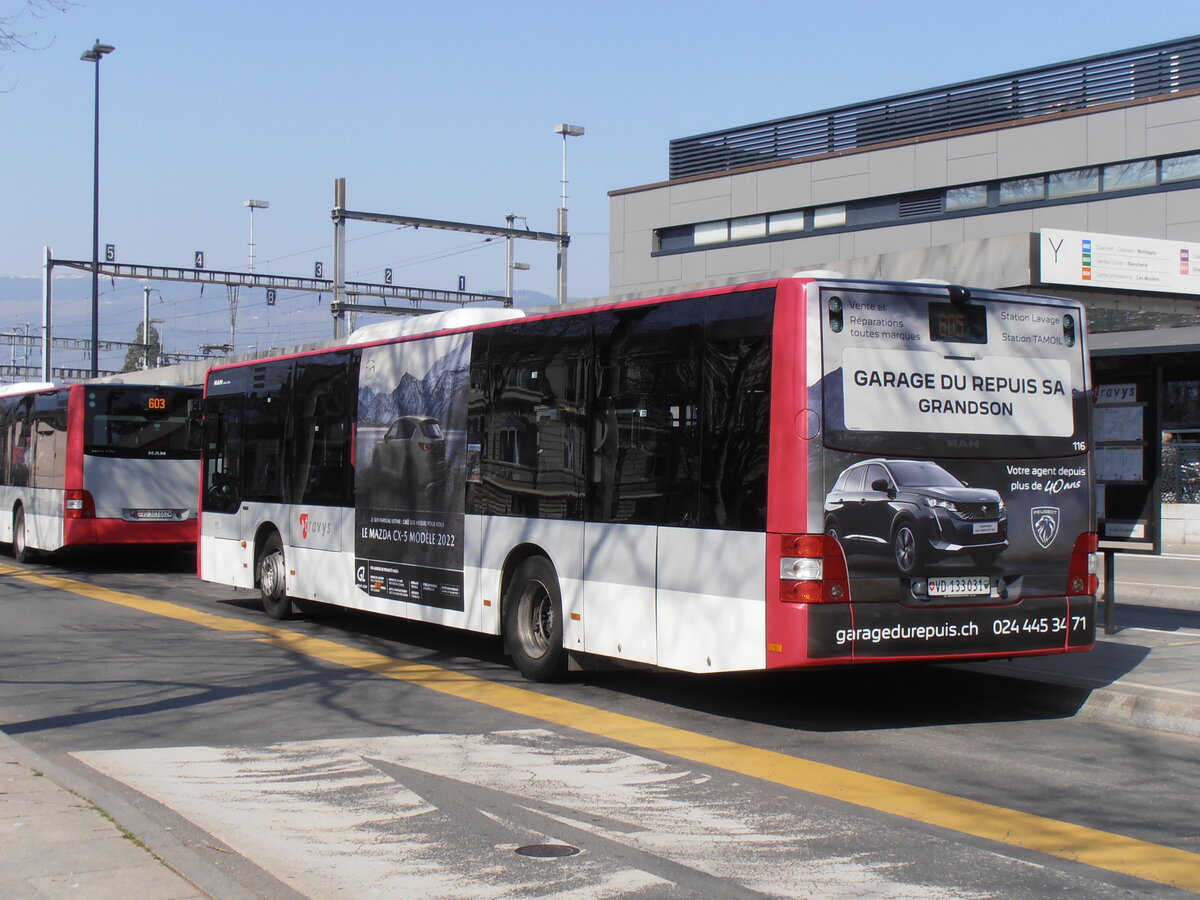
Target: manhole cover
[547, 851]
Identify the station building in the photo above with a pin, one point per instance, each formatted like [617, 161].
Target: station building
[1080, 178]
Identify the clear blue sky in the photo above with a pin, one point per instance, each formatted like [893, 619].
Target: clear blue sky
[441, 110]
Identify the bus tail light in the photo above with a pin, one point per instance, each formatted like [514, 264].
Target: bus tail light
[812, 569]
[1085, 563]
[79, 505]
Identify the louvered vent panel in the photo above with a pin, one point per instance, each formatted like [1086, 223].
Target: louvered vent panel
[921, 205]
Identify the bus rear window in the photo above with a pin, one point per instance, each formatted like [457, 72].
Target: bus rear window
[137, 422]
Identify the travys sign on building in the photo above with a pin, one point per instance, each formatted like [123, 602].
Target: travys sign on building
[1090, 259]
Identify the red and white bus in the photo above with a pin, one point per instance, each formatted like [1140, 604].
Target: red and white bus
[794, 472]
[96, 464]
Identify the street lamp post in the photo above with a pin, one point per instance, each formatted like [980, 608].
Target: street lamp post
[563, 238]
[252, 205]
[94, 55]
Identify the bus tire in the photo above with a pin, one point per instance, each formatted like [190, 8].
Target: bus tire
[271, 573]
[20, 540]
[906, 547]
[533, 625]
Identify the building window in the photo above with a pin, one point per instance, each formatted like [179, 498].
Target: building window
[1137, 176]
[1123, 176]
[829, 216]
[712, 232]
[747, 228]
[681, 237]
[1178, 168]
[969, 197]
[1022, 190]
[1073, 183]
[781, 223]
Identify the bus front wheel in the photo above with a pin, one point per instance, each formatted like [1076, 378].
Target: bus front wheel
[272, 579]
[533, 626]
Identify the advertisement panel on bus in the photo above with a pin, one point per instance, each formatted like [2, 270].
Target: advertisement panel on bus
[411, 471]
[956, 477]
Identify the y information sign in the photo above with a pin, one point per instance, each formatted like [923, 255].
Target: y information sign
[1116, 261]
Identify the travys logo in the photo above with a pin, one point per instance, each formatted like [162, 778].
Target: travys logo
[316, 526]
[1045, 521]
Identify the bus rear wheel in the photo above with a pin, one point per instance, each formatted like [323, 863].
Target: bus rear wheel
[20, 542]
[533, 626]
[271, 571]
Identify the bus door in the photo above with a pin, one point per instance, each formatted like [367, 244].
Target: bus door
[221, 555]
[319, 472]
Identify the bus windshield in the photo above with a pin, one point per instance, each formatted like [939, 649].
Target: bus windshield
[138, 422]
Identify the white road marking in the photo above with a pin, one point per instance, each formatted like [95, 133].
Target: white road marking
[441, 816]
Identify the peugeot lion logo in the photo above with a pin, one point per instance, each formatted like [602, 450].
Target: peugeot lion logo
[1045, 520]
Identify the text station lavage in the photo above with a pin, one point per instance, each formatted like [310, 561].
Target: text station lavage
[922, 391]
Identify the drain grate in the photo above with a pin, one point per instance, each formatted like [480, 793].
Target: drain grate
[547, 851]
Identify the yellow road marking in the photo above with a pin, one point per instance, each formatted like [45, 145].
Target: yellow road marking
[1102, 849]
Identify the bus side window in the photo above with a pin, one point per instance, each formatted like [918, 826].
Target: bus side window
[7, 405]
[21, 449]
[735, 411]
[531, 421]
[319, 443]
[223, 439]
[646, 436]
[263, 458]
[49, 433]
[223, 451]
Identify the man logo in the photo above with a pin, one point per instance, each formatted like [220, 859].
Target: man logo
[1045, 521]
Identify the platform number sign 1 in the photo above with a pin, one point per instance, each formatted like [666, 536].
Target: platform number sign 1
[462, 282]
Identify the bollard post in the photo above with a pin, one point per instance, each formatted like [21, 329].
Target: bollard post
[1110, 578]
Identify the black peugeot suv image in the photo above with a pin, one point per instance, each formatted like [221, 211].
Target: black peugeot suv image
[917, 511]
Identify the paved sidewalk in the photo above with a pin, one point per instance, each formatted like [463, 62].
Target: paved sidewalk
[1146, 674]
[54, 843]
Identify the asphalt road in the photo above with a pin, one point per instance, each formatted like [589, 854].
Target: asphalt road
[352, 755]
